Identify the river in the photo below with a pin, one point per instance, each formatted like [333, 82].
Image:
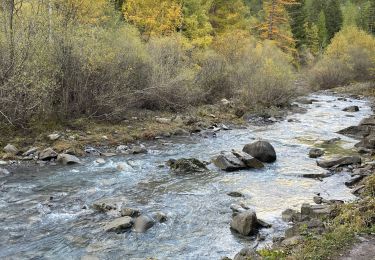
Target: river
[198, 207]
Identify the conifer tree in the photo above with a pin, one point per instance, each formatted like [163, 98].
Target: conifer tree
[276, 25]
[297, 15]
[334, 19]
[322, 30]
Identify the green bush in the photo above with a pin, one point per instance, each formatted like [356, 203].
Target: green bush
[349, 57]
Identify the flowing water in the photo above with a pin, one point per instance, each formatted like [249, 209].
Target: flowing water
[197, 207]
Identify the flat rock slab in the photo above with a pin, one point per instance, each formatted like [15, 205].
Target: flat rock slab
[343, 161]
[119, 225]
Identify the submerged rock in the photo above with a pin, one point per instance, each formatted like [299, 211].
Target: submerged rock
[316, 152]
[261, 150]
[138, 150]
[143, 223]
[343, 161]
[160, 217]
[187, 166]
[119, 225]
[67, 159]
[4, 172]
[351, 109]
[235, 194]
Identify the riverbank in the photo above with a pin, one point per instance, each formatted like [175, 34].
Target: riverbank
[80, 136]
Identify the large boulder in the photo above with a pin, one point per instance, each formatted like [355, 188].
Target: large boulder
[337, 162]
[228, 162]
[261, 150]
[47, 154]
[245, 223]
[143, 223]
[11, 149]
[187, 166]
[119, 225]
[67, 159]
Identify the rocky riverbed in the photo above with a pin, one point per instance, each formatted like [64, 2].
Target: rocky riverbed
[134, 206]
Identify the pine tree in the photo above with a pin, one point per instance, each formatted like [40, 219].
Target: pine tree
[276, 25]
[312, 38]
[298, 15]
[322, 30]
[334, 19]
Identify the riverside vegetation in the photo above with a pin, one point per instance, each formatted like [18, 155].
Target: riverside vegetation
[79, 74]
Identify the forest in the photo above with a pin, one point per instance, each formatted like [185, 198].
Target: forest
[63, 60]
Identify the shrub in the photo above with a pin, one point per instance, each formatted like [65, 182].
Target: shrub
[349, 57]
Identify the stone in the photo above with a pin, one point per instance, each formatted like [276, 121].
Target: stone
[31, 151]
[292, 241]
[47, 154]
[318, 199]
[10, 149]
[160, 217]
[161, 120]
[67, 159]
[351, 109]
[237, 208]
[248, 160]
[121, 148]
[187, 166]
[314, 211]
[235, 194]
[355, 131]
[331, 141]
[245, 223]
[342, 161]
[181, 132]
[318, 176]
[108, 204]
[304, 101]
[119, 225]
[54, 137]
[290, 215]
[4, 172]
[354, 180]
[367, 142]
[100, 161]
[139, 149]
[143, 223]
[225, 102]
[315, 153]
[130, 212]
[261, 150]
[246, 254]
[228, 162]
[108, 154]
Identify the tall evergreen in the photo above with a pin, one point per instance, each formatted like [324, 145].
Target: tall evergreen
[322, 30]
[333, 16]
[297, 14]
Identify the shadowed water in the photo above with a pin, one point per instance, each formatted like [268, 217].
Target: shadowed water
[197, 206]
